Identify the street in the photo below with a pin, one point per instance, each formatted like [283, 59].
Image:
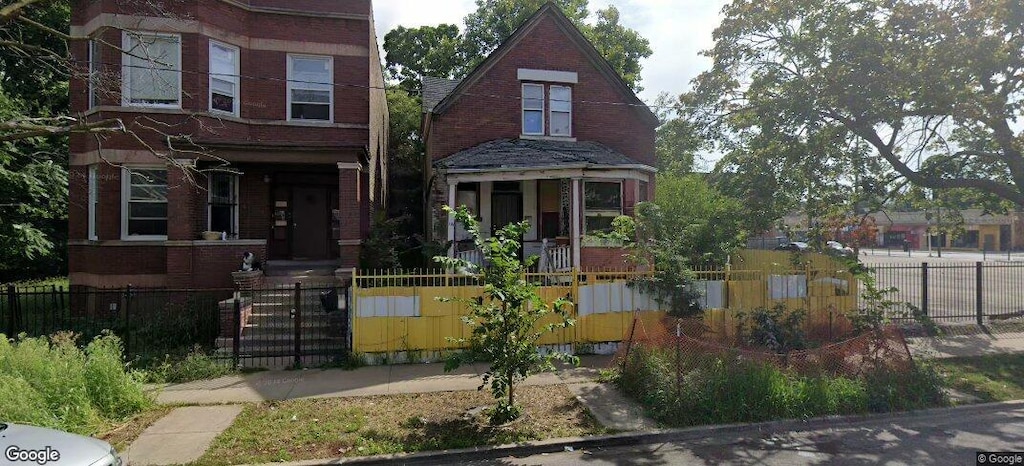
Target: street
[946, 437]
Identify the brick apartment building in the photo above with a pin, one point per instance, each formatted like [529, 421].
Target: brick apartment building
[543, 130]
[286, 97]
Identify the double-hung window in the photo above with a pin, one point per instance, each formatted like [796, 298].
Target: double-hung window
[533, 109]
[223, 204]
[151, 75]
[561, 110]
[310, 88]
[223, 78]
[95, 71]
[144, 203]
[602, 203]
[94, 200]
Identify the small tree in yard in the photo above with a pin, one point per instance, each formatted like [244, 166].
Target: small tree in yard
[506, 318]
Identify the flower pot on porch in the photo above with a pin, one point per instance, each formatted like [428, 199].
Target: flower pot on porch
[211, 235]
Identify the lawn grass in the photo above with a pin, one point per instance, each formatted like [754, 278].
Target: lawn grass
[325, 428]
[43, 282]
[995, 377]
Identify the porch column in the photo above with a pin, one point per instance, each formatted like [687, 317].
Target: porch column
[351, 202]
[576, 236]
[451, 218]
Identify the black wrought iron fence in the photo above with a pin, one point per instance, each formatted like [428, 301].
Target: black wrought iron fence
[262, 327]
[955, 291]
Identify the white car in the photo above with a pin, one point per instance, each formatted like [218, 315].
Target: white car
[838, 248]
[31, 445]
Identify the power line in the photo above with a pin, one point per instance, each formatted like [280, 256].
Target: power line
[371, 87]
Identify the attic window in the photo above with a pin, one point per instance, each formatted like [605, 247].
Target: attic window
[558, 121]
[533, 109]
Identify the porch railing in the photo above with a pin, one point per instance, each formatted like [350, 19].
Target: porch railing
[473, 256]
[555, 258]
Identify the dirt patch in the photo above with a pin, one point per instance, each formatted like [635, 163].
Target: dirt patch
[326, 428]
[121, 435]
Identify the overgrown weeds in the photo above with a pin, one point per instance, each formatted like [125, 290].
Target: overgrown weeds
[195, 365]
[51, 382]
[724, 388]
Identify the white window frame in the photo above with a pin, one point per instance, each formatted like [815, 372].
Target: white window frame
[94, 73]
[234, 210]
[93, 187]
[543, 120]
[126, 191]
[551, 111]
[126, 99]
[233, 79]
[292, 85]
[588, 212]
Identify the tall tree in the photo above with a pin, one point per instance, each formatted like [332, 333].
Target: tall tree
[440, 51]
[932, 88]
[423, 51]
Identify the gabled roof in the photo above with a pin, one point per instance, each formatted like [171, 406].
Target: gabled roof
[435, 90]
[551, 10]
[532, 153]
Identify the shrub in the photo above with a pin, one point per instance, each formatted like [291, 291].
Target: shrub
[52, 383]
[774, 328]
[114, 391]
[196, 365]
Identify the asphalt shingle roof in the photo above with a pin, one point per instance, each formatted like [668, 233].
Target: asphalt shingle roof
[435, 90]
[516, 153]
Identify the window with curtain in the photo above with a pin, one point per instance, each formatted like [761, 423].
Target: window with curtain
[561, 110]
[310, 88]
[152, 70]
[223, 78]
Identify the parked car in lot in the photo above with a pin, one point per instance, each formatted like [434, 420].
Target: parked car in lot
[837, 248]
[32, 445]
[792, 246]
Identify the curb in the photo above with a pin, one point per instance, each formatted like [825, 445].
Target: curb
[637, 438]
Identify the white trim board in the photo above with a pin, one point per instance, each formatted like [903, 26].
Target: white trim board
[551, 76]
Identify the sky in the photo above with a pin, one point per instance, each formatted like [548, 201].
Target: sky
[677, 29]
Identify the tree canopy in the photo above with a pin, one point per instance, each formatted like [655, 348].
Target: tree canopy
[901, 90]
[443, 51]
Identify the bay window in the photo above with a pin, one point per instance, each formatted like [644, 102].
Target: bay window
[222, 212]
[223, 78]
[310, 88]
[144, 203]
[151, 75]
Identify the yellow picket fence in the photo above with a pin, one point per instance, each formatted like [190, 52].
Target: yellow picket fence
[422, 312]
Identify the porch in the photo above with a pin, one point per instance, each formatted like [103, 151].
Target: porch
[564, 209]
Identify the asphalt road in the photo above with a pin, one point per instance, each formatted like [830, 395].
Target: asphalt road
[946, 437]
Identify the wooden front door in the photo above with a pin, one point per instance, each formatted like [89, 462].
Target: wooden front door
[506, 208]
[311, 223]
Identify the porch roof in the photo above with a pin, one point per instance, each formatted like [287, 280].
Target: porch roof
[536, 154]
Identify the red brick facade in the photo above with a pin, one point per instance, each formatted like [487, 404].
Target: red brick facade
[488, 106]
[269, 152]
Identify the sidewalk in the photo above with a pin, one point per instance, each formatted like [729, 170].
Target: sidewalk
[365, 381]
[969, 341]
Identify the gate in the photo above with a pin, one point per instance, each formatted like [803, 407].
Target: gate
[297, 326]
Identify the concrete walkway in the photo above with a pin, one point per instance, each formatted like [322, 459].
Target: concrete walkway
[181, 436]
[365, 381]
[973, 342]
